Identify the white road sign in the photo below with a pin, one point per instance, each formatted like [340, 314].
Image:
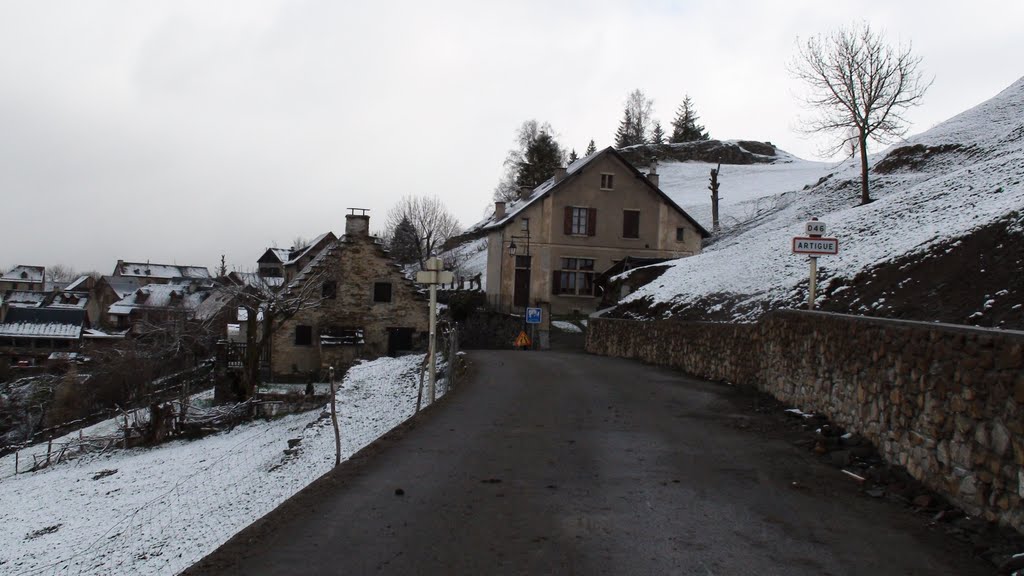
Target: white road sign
[815, 228]
[815, 246]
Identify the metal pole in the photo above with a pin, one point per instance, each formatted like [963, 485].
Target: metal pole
[431, 390]
[814, 283]
[334, 420]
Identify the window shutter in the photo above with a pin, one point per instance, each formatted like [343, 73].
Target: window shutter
[591, 221]
[556, 282]
[568, 220]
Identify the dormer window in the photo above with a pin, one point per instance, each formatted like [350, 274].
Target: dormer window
[607, 181]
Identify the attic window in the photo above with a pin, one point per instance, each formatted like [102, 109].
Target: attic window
[680, 234]
[24, 274]
[329, 289]
[382, 291]
[607, 181]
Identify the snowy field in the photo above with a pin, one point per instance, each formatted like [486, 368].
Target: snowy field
[954, 193]
[158, 510]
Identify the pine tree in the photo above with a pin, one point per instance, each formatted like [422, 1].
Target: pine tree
[626, 134]
[573, 156]
[657, 134]
[590, 148]
[684, 126]
[405, 242]
[542, 157]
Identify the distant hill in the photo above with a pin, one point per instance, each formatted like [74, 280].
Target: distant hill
[944, 240]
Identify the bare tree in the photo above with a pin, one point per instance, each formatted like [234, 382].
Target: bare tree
[860, 86]
[431, 220]
[61, 273]
[267, 307]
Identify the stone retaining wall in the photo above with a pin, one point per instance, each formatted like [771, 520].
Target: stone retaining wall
[943, 401]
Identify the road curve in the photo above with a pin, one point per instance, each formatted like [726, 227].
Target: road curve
[564, 463]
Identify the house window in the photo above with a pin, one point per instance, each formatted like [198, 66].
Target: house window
[303, 335]
[575, 277]
[382, 291]
[630, 223]
[580, 221]
[680, 234]
[342, 336]
[329, 289]
[524, 224]
[607, 181]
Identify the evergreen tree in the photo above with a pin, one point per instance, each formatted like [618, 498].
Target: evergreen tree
[590, 148]
[573, 156]
[636, 118]
[684, 126]
[657, 134]
[542, 157]
[626, 134]
[405, 242]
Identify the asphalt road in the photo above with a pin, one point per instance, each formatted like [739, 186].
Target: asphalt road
[564, 463]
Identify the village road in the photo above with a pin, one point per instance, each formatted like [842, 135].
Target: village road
[564, 463]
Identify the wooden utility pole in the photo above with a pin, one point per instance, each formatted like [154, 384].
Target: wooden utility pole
[334, 419]
[433, 275]
[714, 198]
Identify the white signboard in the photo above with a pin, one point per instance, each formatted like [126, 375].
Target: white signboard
[815, 246]
[815, 228]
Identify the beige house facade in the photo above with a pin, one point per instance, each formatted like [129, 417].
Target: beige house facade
[576, 225]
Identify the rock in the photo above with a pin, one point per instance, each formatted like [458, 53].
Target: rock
[1000, 439]
[968, 486]
[923, 501]
[293, 442]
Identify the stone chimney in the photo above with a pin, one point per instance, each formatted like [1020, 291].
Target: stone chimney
[653, 174]
[525, 191]
[560, 173]
[357, 225]
[499, 210]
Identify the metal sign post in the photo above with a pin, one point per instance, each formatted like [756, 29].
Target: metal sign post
[814, 245]
[432, 276]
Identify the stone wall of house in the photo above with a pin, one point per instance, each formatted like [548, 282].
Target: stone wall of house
[946, 402]
[355, 264]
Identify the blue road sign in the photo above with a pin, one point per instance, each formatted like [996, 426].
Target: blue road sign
[533, 315]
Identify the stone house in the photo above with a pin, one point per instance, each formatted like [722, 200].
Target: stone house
[32, 278]
[367, 308]
[582, 221]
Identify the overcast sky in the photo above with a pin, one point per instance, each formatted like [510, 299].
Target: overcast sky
[179, 131]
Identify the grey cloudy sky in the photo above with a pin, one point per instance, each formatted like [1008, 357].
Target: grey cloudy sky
[179, 131]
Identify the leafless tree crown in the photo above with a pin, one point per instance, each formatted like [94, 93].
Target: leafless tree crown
[433, 223]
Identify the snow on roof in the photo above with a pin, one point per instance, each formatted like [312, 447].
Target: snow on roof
[47, 330]
[78, 284]
[298, 253]
[123, 285]
[158, 296]
[70, 300]
[22, 273]
[213, 302]
[100, 334]
[25, 298]
[950, 195]
[161, 271]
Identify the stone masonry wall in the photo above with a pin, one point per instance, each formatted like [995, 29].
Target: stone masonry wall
[946, 402]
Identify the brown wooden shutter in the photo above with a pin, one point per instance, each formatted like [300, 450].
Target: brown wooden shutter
[568, 220]
[556, 282]
[630, 224]
[591, 221]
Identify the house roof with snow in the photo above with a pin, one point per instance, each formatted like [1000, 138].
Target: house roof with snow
[292, 255]
[551, 186]
[25, 298]
[80, 284]
[43, 323]
[159, 271]
[255, 280]
[122, 285]
[23, 273]
[159, 296]
[69, 299]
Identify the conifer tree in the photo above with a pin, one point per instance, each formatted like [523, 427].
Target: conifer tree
[657, 134]
[684, 126]
[542, 157]
[404, 242]
[591, 148]
[573, 156]
[626, 134]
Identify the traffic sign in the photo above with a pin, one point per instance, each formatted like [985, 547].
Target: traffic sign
[533, 315]
[522, 341]
[815, 228]
[815, 246]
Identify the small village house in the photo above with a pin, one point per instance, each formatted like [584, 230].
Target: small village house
[148, 273]
[286, 263]
[582, 221]
[21, 277]
[367, 308]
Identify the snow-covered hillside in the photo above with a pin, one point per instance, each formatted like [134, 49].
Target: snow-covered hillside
[941, 185]
[158, 510]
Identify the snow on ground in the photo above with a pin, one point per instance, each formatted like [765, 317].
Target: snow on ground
[565, 326]
[158, 510]
[470, 259]
[740, 185]
[953, 194]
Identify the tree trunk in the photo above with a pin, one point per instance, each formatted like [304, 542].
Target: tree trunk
[865, 195]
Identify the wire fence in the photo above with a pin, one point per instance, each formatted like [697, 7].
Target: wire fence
[100, 509]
